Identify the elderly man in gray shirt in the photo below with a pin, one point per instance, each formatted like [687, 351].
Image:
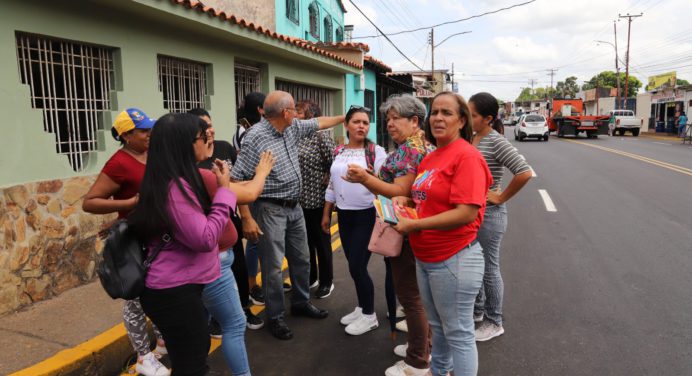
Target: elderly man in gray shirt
[276, 220]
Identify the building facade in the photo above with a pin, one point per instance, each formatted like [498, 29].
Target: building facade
[68, 69]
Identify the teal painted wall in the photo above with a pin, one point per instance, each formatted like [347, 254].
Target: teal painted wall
[302, 28]
[138, 32]
[357, 97]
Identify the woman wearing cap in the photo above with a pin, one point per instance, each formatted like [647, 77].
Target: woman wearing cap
[115, 190]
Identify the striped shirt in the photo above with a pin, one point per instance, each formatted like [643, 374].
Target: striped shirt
[499, 153]
[284, 181]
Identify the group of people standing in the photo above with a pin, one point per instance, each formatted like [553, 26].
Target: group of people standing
[174, 184]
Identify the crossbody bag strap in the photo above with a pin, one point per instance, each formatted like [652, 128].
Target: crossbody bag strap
[165, 239]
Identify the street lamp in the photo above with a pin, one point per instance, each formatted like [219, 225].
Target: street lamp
[432, 52]
[617, 70]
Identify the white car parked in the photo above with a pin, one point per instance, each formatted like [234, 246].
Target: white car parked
[531, 126]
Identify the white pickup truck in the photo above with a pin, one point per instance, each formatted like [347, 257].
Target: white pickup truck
[622, 121]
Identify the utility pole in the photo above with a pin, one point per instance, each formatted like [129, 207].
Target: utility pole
[532, 81]
[432, 52]
[617, 66]
[627, 57]
[551, 74]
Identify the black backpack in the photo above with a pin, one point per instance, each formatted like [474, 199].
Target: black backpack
[124, 267]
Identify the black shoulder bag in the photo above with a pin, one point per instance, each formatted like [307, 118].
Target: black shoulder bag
[123, 270]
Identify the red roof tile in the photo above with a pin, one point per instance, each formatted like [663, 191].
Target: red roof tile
[197, 5]
[354, 45]
[377, 63]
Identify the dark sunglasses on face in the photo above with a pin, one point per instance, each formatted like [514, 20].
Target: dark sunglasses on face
[202, 137]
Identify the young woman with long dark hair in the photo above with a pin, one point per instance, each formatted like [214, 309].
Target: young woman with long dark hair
[173, 200]
[498, 153]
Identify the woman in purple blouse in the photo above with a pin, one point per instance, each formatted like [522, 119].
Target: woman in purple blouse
[173, 200]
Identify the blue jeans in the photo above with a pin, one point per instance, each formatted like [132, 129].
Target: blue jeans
[284, 236]
[681, 130]
[448, 290]
[222, 300]
[489, 299]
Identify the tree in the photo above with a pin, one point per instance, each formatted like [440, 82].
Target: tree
[680, 82]
[609, 79]
[525, 95]
[567, 88]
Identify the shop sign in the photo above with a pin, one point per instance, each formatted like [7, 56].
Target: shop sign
[668, 96]
[662, 81]
[424, 93]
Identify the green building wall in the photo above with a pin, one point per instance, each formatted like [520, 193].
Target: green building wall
[139, 31]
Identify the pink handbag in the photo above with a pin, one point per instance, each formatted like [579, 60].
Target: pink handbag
[385, 240]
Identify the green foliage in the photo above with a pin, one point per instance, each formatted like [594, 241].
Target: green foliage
[540, 93]
[680, 82]
[567, 88]
[609, 79]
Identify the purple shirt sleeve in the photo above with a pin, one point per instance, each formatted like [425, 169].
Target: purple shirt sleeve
[193, 229]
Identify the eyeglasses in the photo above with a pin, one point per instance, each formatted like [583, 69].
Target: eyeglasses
[356, 107]
[291, 109]
[202, 137]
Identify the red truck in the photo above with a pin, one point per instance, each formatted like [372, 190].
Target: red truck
[567, 118]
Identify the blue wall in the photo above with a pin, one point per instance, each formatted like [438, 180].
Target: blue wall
[302, 29]
[357, 97]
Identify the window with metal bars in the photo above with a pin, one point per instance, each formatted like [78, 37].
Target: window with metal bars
[327, 29]
[183, 83]
[339, 34]
[71, 83]
[292, 11]
[248, 79]
[369, 100]
[314, 12]
[323, 97]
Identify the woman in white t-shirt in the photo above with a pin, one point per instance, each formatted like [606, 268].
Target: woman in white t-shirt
[356, 214]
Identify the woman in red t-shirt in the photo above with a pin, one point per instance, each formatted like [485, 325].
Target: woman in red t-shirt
[115, 190]
[449, 194]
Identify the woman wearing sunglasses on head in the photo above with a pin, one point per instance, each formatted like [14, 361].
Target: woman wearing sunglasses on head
[356, 213]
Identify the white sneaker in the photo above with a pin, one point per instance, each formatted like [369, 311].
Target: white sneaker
[353, 316]
[149, 365]
[400, 350]
[402, 326]
[400, 368]
[363, 324]
[160, 350]
[400, 314]
[488, 331]
[314, 284]
[478, 318]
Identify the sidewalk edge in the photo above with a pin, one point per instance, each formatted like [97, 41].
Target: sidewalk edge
[95, 356]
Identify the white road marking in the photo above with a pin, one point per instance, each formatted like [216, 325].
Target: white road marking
[661, 143]
[549, 205]
[533, 173]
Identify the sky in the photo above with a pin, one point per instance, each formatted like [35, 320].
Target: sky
[506, 50]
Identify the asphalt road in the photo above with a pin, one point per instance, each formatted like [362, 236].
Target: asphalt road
[599, 287]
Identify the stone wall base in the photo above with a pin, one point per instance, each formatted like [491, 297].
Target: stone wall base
[48, 244]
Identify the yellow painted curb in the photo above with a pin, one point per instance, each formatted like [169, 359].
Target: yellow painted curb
[70, 359]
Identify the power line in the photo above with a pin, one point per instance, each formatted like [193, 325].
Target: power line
[443, 23]
[385, 36]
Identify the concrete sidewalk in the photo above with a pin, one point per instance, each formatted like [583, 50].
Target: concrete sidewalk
[77, 333]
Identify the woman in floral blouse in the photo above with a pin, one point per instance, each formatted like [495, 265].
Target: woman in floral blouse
[315, 156]
[404, 115]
